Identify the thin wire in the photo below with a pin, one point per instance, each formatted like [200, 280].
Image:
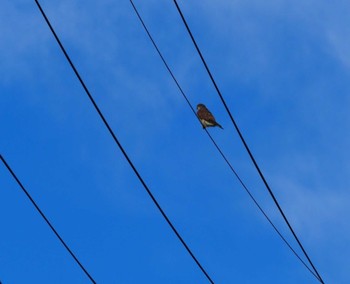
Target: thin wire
[245, 144]
[213, 141]
[122, 149]
[46, 220]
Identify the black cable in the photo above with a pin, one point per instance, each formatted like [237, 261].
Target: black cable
[213, 141]
[46, 220]
[121, 147]
[245, 144]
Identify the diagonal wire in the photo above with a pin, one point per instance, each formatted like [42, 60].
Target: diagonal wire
[213, 141]
[46, 219]
[122, 149]
[245, 144]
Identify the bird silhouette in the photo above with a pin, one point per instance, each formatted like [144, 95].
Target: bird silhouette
[206, 117]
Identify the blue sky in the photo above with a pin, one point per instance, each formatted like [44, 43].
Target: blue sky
[284, 69]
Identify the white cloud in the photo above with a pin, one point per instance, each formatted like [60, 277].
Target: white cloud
[339, 40]
[315, 211]
[20, 40]
[105, 46]
[319, 216]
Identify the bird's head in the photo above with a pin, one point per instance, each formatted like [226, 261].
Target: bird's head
[199, 106]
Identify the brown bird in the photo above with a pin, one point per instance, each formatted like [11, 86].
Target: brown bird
[205, 116]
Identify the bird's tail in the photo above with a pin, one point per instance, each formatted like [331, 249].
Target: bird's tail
[217, 124]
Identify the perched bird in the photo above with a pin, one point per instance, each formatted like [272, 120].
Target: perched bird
[205, 116]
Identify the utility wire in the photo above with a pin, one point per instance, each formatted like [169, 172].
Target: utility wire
[213, 141]
[122, 149]
[245, 144]
[46, 219]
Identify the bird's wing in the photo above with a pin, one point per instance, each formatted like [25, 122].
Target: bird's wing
[206, 115]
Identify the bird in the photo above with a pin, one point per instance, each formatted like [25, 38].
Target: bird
[205, 117]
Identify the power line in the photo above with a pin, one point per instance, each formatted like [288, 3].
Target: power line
[121, 147]
[46, 219]
[213, 141]
[245, 144]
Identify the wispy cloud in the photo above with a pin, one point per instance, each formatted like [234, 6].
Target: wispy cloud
[20, 35]
[315, 211]
[339, 40]
[110, 57]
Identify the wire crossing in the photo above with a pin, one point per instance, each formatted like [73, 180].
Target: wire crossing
[122, 149]
[213, 141]
[46, 219]
[244, 142]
